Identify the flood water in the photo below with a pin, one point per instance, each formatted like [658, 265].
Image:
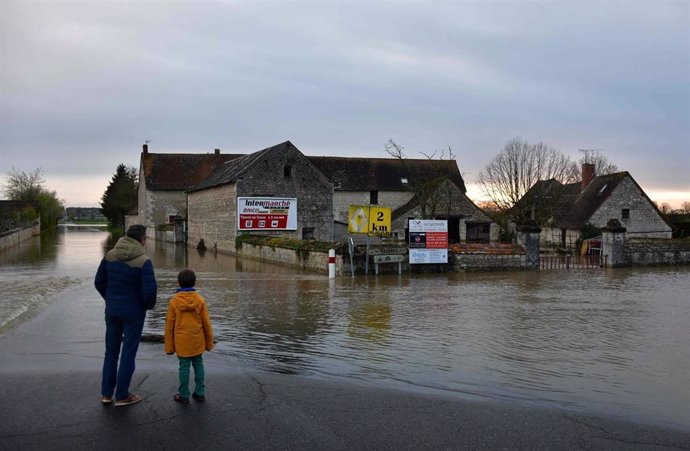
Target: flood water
[612, 341]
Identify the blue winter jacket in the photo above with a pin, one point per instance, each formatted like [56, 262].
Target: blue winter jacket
[125, 279]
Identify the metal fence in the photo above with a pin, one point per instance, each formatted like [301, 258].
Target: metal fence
[572, 261]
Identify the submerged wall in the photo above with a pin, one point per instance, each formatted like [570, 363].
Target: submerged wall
[652, 252]
[13, 237]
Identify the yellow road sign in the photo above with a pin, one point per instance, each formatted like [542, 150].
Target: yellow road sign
[370, 219]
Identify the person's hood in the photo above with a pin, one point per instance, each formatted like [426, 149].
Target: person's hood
[188, 300]
[127, 249]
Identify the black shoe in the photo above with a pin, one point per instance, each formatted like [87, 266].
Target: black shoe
[198, 397]
[181, 399]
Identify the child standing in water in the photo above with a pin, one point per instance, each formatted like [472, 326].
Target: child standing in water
[188, 333]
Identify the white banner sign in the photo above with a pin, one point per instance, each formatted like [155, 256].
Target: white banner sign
[266, 213]
[428, 241]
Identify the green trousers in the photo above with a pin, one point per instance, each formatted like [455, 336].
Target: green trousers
[199, 387]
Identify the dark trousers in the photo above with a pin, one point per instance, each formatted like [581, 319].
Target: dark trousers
[199, 386]
[120, 333]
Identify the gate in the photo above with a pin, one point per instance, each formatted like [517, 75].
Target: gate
[572, 261]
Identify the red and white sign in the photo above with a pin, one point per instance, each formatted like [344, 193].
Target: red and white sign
[428, 241]
[266, 213]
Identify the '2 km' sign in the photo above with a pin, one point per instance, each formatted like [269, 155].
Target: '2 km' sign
[369, 219]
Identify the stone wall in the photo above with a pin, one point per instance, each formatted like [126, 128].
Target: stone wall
[308, 260]
[652, 252]
[154, 206]
[212, 212]
[212, 217]
[13, 237]
[488, 262]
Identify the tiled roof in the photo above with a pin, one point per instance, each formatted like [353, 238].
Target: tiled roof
[571, 208]
[385, 174]
[589, 201]
[200, 171]
[180, 171]
[231, 171]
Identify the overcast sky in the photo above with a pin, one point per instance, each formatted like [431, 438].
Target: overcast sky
[84, 84]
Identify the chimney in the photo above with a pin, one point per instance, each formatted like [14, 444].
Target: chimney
[146, 149]
[587, 175]
[217, 151]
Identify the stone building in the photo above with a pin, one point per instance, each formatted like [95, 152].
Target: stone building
[412, 188]
[563, 210]
[164, 179]
[181, 185]
[277, 172]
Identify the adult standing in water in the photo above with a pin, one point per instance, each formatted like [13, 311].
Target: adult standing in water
[125, 279]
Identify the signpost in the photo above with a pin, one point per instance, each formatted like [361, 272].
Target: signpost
[387, 250]
[389, 258]
[369, 219]
[428, 241]
[378, 259]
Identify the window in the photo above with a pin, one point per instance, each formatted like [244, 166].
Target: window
[287, 171]
[307, 233]
[373, 197]
[625, 213]
[403, 180]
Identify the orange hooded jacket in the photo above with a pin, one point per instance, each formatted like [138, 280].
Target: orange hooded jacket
[188, 331]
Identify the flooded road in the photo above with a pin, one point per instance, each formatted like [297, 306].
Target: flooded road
[607, 341]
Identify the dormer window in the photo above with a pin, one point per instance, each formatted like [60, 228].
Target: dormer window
[287, 171]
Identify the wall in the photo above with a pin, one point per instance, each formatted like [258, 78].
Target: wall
[155, 205]
[212, 216]
[313, 191]
[343, 199]
[14, 237]
[553, 236]
[164, 203]
[212, 212]
[644, 219]
[488, 262]
[311, 260]
[648, 252]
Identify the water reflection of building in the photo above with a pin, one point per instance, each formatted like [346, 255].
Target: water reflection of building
[285, 316]
[370, 319]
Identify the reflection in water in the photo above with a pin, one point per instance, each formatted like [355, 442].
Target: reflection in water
[611, 341]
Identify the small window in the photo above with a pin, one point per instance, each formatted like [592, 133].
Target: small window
[307, 233]
[373, 197]
[625, 213]
[287, 171]
[403, 180]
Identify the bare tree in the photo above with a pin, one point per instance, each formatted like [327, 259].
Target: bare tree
[602, 165]
[685, 207]
[434, 194]
[519, 166]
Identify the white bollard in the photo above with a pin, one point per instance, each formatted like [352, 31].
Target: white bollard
[331, 263]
